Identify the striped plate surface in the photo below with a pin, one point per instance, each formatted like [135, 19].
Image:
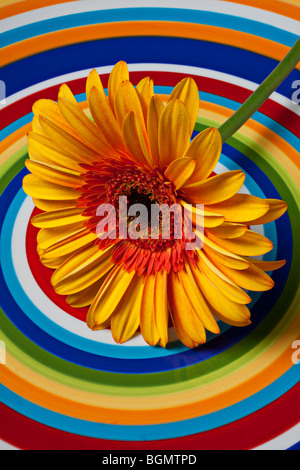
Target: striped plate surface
[64, 387]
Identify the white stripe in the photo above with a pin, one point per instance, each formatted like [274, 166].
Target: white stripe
[5, 446]
[284, 441]
[198, 71]
[227, 8]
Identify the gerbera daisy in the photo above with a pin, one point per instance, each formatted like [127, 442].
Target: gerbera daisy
[137, 146]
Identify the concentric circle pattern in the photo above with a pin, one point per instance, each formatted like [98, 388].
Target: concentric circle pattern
[65, 387]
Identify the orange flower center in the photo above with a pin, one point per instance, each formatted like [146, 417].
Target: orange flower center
[143, 254]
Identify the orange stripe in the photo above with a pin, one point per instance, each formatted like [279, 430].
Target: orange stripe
[281, 7]
[140, 28]
[14, 137]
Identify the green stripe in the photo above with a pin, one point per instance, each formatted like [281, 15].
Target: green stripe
[12, 167]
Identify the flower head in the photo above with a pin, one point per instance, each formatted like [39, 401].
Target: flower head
[139, 148]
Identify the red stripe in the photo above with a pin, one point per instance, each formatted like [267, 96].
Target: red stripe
[275, 111]
[247, 433]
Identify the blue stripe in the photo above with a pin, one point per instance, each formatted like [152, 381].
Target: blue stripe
[295, 447]
[149, 14]
[189, 52]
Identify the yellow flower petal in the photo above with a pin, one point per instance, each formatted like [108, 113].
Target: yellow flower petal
[47, 237]
[134, 140]
[109, 296]
[187, 92]
[104, 117]
[183, 313]
[227, 310]
[94, 81]
[126, 318]
[234, 263]
[205, 149]
[155, 110]
[37, 187]
[69, 244]
[46, 205]
[249, 244]
[220, 281]
[251, 278]
[75, 283]
[227, 320]
[48, 109]
[118, 75]
[147, 319]
[36, 126]
[58, 218]
[66, 93]
[145, 91]
[64, 140]
[209, 218]
[82, 269]
[161, 311]
[228, 230]
[179, 171]
[101, 326]
[215, 189]
[276, 209]
[86, 296]
[42, 149]
[53, 263]
[53, 174]
[84, 257]
[267, 266]
[127, 101]
[173, 132]
[84, 127]
[181, 334]
[207, 242]
[198, 302]
[241, 208]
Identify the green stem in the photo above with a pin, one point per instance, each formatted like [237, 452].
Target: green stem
[254, 102]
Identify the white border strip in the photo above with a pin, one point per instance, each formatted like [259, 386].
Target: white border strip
[152, 67]
[224, 7]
